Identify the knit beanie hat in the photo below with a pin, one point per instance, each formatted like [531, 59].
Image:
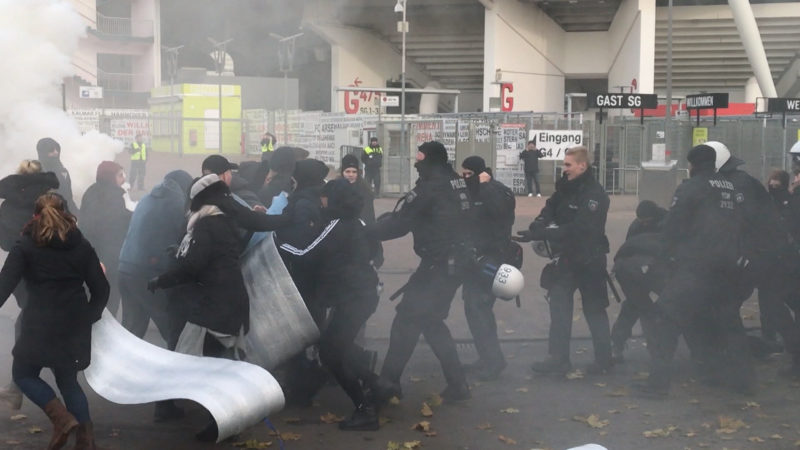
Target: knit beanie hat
[349, 162]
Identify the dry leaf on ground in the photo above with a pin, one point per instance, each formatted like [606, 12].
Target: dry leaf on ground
[776, 437]
[294, 420]
[755, 439]
[252, 443]
[753, 405]
[394, 401]
[694, 401]
[600, 384]
[506, 440]
[640, 376]
[522, 389]
[412, 444]
[384, 420]
[618, 392]
[435, 400]
[34, 430]
[660, 432]
[422, 426]
[593, 421]
[19, 417]
[729, 425]
[509, 410]
[415, 379]
[291, 436]
[430, 433]
[331, 418]
[575, 375]
[426, 410]
[484, 426]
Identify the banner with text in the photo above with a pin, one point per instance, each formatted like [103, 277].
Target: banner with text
[554, 143]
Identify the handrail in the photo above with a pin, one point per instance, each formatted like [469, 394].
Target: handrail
[124, 26]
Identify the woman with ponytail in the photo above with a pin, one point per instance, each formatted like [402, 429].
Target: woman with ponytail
[55, 261]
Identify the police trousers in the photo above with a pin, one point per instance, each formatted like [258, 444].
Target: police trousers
[422, 311]
[478, 309]
[637, 276]
[590, 280]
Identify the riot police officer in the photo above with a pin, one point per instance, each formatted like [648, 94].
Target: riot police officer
[702, 232]
[574, 219]
[493, 206]
[436, 213]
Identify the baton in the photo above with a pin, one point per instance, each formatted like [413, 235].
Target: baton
[613, 287]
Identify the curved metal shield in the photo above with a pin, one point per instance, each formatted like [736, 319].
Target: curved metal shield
[280, 324]
[128, 370]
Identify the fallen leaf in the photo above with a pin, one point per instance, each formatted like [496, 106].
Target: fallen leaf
[506, 440]
[252, 443]
[690, 434]
[785, 425]
[562, 419]
[600, 384]
[797, 443]
[34, 430]
[13, 442]
[394, 401]
[614, 411]
[426, 410]
[393, 446]
[703, 445]
[331, 418]
[602, 433]
[509, 410]
[706, 425]
[509, 331]
[415, 379]
[593, 421]
[435, 400]
[484, 426]
[776, 437]
[412, 444]
[19, 417]
[631, 406]
[694, 401]
[729, 425]
[619, 392]
[384, 420]
[522, 389]
[575, 375]
[755, 439]
[422, 426]
[430, 434]
[639, 376]
[293, 420]
[660, 432]
[291, 436]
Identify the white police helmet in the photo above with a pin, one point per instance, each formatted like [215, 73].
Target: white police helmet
[795, 150]
[723, 154]
[508, 282]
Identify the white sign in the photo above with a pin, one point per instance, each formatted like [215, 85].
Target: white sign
[660, 152]
[390, 100]
[90, 91]
[554, 143]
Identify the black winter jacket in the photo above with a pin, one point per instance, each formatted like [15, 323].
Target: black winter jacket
[579, 207]
[57, 320]
[213, 293]
[19, 194]
[493, 216]
[530, 159]
[64, 181]
[104, 220]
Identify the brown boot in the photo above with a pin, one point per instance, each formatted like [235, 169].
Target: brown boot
[63, 423]
[85, 437]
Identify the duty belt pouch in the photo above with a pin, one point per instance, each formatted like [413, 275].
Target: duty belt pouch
[513, 254]
[549, 276]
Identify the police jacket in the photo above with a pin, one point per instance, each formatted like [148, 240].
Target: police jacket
[579, 208]
[704, 224]
[436, 212]
[492, 217]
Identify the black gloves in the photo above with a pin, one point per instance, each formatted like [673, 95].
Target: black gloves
[522, 236]
[536, 232]
[152, 285]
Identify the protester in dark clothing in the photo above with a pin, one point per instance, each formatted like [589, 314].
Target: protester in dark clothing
[157, 226]
[55, 260]
[279, 177]
[639, 271]
[493, 206]
[437, 213]
[778, 187]
[351, 171]
[304, 204]
[347, 285]
[105, 220]
[248, 180]
[49, 152]
[530, 160]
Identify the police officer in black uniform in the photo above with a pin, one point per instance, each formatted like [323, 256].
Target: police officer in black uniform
[493, 206]
[574, 219]
[436, 213]
[702, 234]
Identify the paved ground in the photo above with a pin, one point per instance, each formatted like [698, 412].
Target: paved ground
[517, 411]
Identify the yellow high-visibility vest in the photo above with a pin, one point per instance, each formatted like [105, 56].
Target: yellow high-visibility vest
[369, 150]
[267, 148]
[140, 153]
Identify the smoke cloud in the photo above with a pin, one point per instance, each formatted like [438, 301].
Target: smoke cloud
[37, 41]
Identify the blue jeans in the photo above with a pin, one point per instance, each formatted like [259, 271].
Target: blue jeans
[26, 376]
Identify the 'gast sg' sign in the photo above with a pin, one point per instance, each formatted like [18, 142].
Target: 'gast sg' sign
[623, 101]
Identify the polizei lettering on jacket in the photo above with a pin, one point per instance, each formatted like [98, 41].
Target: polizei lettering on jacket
[458, 183]
[721, 184]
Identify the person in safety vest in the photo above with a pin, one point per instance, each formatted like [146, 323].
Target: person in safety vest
[138, 153]
[268, 142]
[372, 158]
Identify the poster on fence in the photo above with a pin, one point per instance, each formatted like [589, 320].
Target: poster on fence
[509, 142]
[554, 143]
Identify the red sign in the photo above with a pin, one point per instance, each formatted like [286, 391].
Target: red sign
[506, 101]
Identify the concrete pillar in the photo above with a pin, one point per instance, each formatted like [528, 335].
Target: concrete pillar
[751, 90]
[753, 46]
[429, 103]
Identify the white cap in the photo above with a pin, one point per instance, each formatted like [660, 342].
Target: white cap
[508, 282]
[723, 154]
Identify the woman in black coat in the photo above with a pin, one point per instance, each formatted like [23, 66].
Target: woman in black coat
[105, 221]
[55, 261]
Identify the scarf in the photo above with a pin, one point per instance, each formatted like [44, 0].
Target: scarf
[204, 211]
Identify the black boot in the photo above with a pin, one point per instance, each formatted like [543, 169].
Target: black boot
[364, 418]
[454, 393]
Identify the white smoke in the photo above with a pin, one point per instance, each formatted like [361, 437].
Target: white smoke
[37, 41]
